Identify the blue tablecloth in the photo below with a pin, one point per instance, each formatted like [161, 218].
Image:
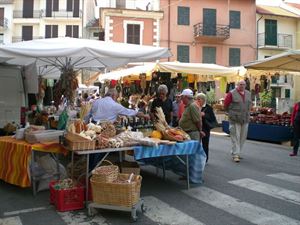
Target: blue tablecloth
[194, 149]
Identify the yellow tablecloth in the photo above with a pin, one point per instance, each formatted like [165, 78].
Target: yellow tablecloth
[15, 158]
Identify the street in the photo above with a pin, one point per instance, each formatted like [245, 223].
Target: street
[264, 189]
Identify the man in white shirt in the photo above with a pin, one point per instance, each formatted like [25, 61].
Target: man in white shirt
[107, 109]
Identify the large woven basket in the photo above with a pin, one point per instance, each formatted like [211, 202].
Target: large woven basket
[117, 194]
[107, 173]
[75, 142]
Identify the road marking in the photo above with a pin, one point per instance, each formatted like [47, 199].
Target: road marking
[162, 213]
[17, 212]
[11, 221]
[81, 218]
[286, 177]
[252, 213]
[268, 189]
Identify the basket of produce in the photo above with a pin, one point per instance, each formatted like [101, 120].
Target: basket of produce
[125, 191]
[107, 173]
[76, 142]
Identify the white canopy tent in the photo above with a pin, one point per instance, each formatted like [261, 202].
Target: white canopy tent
[65, 53]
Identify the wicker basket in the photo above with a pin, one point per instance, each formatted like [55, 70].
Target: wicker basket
[130, 167]
[117, 194]
[75, 142]
[105, 173]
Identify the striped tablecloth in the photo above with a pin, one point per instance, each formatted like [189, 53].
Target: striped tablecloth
[15, 158]
[197, 157]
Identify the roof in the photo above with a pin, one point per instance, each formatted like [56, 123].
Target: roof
[295, 5]
[275, 11]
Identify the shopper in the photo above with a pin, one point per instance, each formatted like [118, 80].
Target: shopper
[209, 120]
[238, 103]
[295, 123]
[164, 102]
[175, 105]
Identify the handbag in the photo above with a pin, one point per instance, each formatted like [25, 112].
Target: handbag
[211, 124]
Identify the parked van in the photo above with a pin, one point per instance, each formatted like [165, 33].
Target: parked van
[12, 95]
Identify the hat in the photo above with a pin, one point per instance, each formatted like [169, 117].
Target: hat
[187, 92]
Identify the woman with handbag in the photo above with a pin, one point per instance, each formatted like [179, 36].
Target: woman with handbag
[209, 120]
[295, 123]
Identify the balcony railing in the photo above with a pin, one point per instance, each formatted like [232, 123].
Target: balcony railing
[61, 14]
[219, 31]
[21, 14]
[3, 23]
[128, 4]
[19, 38]
[279, 41]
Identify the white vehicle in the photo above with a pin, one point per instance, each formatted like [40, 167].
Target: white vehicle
[12, 95]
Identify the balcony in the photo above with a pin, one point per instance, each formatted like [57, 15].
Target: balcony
[281, 41]
[19, 14]
[128, 4]
[61, 14]
[3, 23]
[19, 38]
[208, 32]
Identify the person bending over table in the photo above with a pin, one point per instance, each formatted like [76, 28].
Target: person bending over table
[108, 109]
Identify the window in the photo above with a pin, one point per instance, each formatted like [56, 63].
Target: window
[27, 33]
[72, 31]
[28, 9]
[95, 34]
[235, 19]
[271, 32]
[133, 34]
[210, 22]
[234, 57]
[183, 53]
[1, 39]
[1, 17]
[183, 17]
[209, 55]
[121, 4]
[51, 5]
[51, 31]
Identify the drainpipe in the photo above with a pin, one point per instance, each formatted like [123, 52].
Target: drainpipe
[257, 36]
[169, 28]
[82, 20]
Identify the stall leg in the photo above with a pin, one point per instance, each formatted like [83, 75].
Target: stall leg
[72, 165]
[164, 168]
[187, 172]
[33, 181]
[87, 180]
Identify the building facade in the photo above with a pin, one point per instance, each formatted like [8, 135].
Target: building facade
[131, 21]
[215, 31]
[6, 18]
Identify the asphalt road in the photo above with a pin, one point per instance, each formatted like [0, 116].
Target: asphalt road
[264, 189]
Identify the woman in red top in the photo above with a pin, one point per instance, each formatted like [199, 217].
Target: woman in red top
[295, 122]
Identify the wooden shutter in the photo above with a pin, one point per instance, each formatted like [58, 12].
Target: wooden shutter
[69, 5]
[235, 19]
[271, 32]
[26, 33]
[69, 31]
[209, 55]
[183, 17]
[121, 4]
[183, 53]
[49, 8]
[209, 22]
[55, 5]
[28, 8]
[48, 31]
[133, 34]
[234, 57]
[1, 17]
[76, 8]
[54, 31]
[76, 31]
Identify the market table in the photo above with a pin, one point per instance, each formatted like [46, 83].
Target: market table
[192, 150]
[264, 132]
[15, 158]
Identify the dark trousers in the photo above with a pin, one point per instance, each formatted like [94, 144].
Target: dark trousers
[296, 139]
[94, 159]
[205, 143]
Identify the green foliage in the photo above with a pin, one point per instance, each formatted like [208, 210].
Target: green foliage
[266, 98]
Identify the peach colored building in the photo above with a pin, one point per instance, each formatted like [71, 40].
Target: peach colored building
[211, 31]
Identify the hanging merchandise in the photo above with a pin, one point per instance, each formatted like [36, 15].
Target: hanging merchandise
[185, 83]
[179, 82]
[223, 83]
[143, 82]
[113, 83]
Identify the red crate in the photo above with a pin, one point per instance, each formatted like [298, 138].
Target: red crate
[70, 199]
[52, 191]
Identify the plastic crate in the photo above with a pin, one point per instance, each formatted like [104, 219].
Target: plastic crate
[68, 199]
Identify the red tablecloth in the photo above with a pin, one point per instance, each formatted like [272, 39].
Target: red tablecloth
[15, 158]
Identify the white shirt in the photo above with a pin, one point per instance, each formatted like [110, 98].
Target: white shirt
[107, 109]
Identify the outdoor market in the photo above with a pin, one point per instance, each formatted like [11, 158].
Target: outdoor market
[86, 143]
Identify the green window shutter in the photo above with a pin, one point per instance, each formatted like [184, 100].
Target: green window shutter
[183, 53]
[209, 55]
[234, 57]
[271, 32]
[183, 17]
[235, 19]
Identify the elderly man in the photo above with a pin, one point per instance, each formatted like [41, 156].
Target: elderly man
[238, 104]
[164, 102]
[108, 109]
[190, 120]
